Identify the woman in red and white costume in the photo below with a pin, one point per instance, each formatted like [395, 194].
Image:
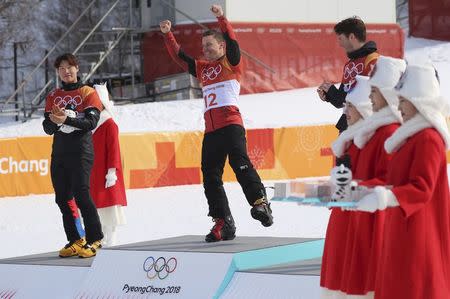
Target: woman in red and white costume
[107, 183]
[415, 257]
[366, 230]
[357, 108]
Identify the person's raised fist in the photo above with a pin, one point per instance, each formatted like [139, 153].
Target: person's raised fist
[217, 10]
[165, 26]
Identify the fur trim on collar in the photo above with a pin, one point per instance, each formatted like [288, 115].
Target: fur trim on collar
[104, 116]
[434, 110]
[103, 94]
[378, 119]
[341, 144]
[406, 130]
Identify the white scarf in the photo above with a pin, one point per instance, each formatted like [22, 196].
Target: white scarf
[104, 116]
[378, 119]
[406, 130]
[341, 144]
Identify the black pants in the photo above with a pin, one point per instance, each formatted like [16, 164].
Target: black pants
[71, 178]
[217, 146]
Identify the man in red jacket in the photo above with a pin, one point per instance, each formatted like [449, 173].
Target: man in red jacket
[219, 74]
[351, 35]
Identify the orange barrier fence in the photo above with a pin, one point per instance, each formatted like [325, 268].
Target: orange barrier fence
[168, 159]
[25, 166]
[165, 159]
[301, 55]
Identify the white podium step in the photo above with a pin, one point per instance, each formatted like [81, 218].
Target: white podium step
[180, 267]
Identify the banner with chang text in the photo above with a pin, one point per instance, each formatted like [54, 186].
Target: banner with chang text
[173, 158]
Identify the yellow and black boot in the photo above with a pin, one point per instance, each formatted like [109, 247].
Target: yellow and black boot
[90, 249]
[72, 248]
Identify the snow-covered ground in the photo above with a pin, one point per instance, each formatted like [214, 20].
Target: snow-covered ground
[32, 224]
[267, 110]
[418, 50]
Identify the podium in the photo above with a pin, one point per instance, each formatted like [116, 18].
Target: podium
[179, 267]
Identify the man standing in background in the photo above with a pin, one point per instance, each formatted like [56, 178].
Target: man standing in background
[351, 36]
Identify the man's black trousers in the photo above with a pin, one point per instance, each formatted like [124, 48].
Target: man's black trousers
[228, 142]
[71, 179]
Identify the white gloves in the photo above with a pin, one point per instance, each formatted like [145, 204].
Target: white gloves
[66, 128]
[379, 199]
[111, 178]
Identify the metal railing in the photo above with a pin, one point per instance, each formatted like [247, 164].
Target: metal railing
[30, 75]
[39, 95]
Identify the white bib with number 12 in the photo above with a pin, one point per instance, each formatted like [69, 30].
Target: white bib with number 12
[221, 94]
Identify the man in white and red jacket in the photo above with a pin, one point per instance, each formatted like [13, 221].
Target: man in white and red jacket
[219, 74]
[107, 184]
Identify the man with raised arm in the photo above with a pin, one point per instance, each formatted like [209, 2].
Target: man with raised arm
[219, 73]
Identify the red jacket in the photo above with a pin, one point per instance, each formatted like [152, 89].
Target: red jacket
[220, 79]
[365, 233]
[361, 62]
[415, 261]
[336, 239]
[107, 155]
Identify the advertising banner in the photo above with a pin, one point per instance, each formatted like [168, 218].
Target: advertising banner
[296, 55]
[25, 166]
[174, 158]
[136, 274]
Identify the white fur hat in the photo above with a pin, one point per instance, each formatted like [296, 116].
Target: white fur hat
[419, 85]
[358, 96]
[387, 71]
[103, 94]
[385, 76]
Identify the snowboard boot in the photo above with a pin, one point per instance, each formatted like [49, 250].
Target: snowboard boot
[262, 212]
[90, 249]
[72, 248]
[223, 230]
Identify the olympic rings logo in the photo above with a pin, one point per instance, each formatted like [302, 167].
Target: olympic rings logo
[352, 69]
[62, 102]
[159, 267]
[211, 73]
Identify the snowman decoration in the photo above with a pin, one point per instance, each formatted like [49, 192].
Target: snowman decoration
[341, 178]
